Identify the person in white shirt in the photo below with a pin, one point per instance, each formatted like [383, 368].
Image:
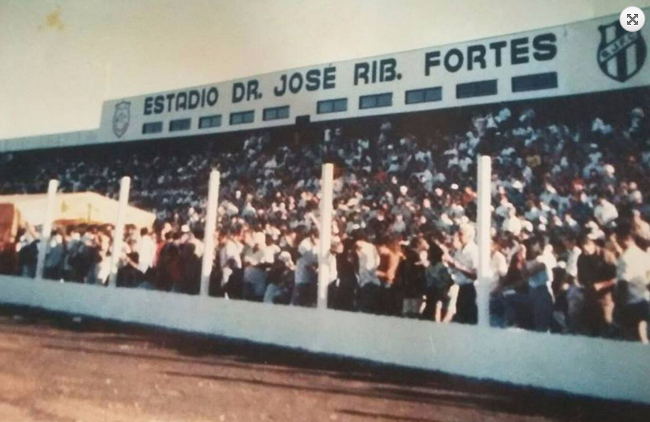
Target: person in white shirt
[304, 292]
[464, 264]
[465, 163]
[605, 212]
[533, 213]
[146, 249]
[269, 251]
[399, 226]
[640, 227]
[512, 224]
[369, 282]
[538, 272]
[573, 253]
[498, 263]
[633, 281]
[549, 195]
[503, 210]
[249, 211]
[499, 269]
[230, 252]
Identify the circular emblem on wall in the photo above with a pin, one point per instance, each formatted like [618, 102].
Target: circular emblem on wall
[621, 54]
[121, 118]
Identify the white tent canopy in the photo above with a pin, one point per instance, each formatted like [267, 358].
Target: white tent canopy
[83, 207]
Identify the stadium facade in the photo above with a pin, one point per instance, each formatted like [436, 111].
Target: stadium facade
[591, 56]
[595, 62]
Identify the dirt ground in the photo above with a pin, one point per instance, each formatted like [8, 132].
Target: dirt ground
[53, 368]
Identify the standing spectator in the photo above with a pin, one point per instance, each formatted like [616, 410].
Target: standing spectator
[597, 277]
[513, 289]
[390, 257]
[605, 212]
[170, 270]
[304, 291]
[281, 280]
[255, 278]
[512, 223]
[146, 249]
[536, 271]
[640, 227]
[369, 284]
[439, 288]
[27, 249]
[270, 250]
[230, 254]
[413, 276]
[499, 269]
[342, 295]
[234, 287]
[97, 258]
[633, 274]
[55, 256]
[71, 243]
[191, 255]
[572, 293]
[464, 264]
[129, 275]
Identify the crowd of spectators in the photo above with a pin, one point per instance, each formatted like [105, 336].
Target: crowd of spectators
[570, 243]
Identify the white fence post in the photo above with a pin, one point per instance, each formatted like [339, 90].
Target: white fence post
[325, 243]
[46, 229]
[210, 227]
[484, 225]
[118, 234]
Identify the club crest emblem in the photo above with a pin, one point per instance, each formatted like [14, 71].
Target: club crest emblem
[121, 118]
[621, 54]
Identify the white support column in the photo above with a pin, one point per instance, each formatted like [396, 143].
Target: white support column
[325, 242]
[46, 229]
[210, 227]
[118, 234]
[484, 224]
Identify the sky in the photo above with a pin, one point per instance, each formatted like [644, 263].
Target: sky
[59, 60]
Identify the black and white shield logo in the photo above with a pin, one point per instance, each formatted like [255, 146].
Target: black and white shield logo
[621, 54]
[121, 118]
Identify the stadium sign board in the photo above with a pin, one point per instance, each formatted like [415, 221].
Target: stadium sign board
[584, 57]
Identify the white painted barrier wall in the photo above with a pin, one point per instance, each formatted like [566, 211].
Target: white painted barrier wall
[594, 367]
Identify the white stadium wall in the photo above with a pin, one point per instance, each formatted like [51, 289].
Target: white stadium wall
[579, 365]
